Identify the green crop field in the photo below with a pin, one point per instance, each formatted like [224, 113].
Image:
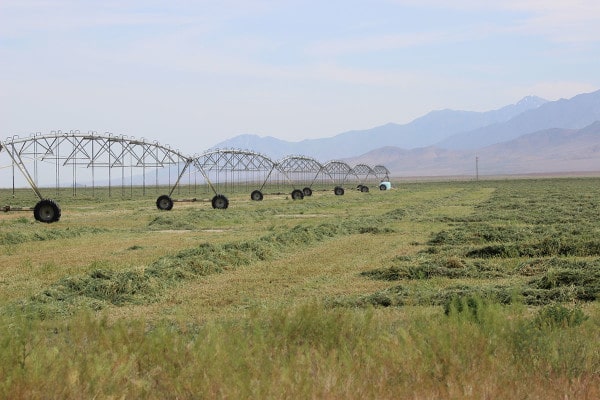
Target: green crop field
[436, 290]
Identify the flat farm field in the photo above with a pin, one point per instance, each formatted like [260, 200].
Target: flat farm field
[452, 290]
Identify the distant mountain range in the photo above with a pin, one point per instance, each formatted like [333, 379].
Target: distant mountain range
[531, 136]
[547, 151]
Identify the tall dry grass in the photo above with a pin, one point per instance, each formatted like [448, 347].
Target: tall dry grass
[305, 351]
[278, 299]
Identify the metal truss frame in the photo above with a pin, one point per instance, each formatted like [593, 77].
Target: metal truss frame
[296, 168]
[363, 172]
[381, 172]
[221, 161]
[92, 151]
[338, 171]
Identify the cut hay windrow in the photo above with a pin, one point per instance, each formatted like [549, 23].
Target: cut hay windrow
[554, 235]
[570, 283]
[143, 285]
[25, 235]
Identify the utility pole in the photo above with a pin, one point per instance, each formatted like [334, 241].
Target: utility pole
[477, 168]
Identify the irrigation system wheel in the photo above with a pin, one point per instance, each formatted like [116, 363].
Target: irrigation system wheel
[297, 194]
[256, 195]
[47, 211]
[307, 191]
[338, 190]
[220, 202]
[382, 187]
[364, 189]
[164, 202]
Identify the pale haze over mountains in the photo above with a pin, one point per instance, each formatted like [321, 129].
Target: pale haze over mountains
[530, 136]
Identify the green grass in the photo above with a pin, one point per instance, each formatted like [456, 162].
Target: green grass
[433, 290]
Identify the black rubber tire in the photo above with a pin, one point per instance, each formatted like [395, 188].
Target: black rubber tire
[256, 195]
[338, 191]
[364, 189]
[46, 211]
[220, 202]
[359, 187]
[307, 191]
[382, 187]
[164, 202]
[297, 194]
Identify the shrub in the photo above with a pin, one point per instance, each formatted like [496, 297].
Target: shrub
[559, 316]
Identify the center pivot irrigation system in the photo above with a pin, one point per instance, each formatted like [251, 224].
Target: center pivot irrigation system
[120, 163]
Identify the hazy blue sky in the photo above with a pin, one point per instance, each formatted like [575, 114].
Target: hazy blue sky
[194, 73]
